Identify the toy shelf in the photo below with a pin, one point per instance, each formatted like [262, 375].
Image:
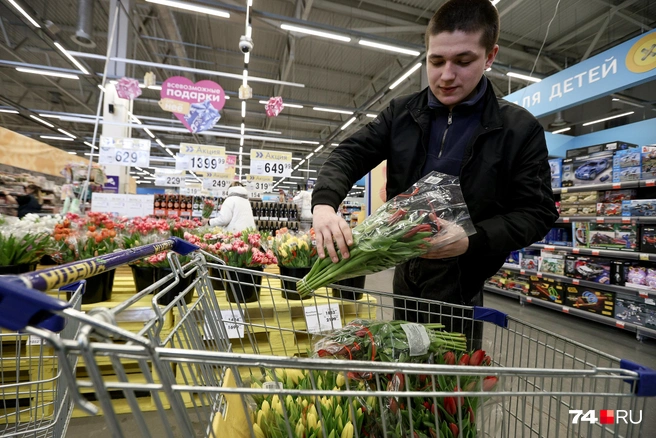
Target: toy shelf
[607, 186]
[624, 290]
[608, 219]
[638, 330]
[625, 255]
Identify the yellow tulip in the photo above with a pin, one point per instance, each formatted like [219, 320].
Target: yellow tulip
[280, 374]
[258, 431]
[260, 418]
[300, 429]
[266, 407]
[338, 411]
[305, 403]
[347, 432]
[313, 410]
[319, 430]
[311, 420]
[278, 408]
[340, 380]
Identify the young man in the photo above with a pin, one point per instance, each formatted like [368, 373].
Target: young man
[457, 126]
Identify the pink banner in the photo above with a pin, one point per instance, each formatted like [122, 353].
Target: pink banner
[195, 105]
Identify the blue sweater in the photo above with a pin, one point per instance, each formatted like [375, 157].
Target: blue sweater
[451, 131]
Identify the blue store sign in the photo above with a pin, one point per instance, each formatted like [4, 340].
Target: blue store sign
[629, 64]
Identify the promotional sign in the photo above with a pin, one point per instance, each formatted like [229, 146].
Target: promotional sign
[218, 183]
[257, 185]
[124, 151]
[191, 190]
[122, 204]
[624, 66]
[271, 163]
[164, 178]
[196, 105]
[111, 184]
[201, 158]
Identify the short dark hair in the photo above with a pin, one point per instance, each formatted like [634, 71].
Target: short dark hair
[469, 16]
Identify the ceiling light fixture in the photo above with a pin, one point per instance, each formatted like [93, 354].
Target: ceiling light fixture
[155, 87]
[628, 113]
[169, 152]
[243, 108]
[192, 8]
[306, 170]
[49, 125]
[90, 145]
[310, 155]
[512, 74]
[72, 153]
[405, 76]
[309, 142]
[319, 33]
[388, 47]
[54, 137]
[346, 125]
[56, 74]
[70, 57]
[25, 14]
[558, 131]
[318, 149]
[149, 133]
[373, 116]
[66, 133]
[334, 144]
[50, 116]
[159, 142]
[8, 111]
[332, 110]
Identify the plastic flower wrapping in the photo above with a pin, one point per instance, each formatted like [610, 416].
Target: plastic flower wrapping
[294, 250]
[82, 237]
[430, 214]
[26, 240]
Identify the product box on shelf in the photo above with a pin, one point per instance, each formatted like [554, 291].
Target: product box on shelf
[569, 210]
[581, 234]
[588, 170]
[529, 259]
[558, 237]
[641, 276]
[580, 198]
[648, 161]
[546, 289]
[619, 271]
[636, 310]
[552, 263]
[613, 236]
[595, 269]
[627, 174]
[590, 300]
[518, 283]
[608, 209]
[627, 158]
[639, 207]
[556, 166]
[513, 258]
[586, 210]
[617, 196]
[648, 239]
[611, 146]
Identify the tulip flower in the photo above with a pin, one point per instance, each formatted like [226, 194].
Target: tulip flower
[477, 358]
[450, 405]
[489, 383]
[454, 429]
[464, 359]
[449, 358]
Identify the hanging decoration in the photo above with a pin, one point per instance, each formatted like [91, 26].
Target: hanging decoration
[196, 105]
[149, 79]
[274, 106]
[128, 88]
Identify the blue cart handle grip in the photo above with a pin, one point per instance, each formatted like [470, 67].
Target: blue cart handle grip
[21, 305]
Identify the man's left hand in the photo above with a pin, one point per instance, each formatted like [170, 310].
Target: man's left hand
[459, 247]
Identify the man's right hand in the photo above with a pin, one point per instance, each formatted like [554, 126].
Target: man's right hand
[329, 228]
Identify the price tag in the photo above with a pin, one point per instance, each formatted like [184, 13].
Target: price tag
[191, 190]
[566, 220]
[576, 250]
[124, 152]
[271, 163]
[563, 190]
[617, 185]
[565, 309]
[575, 281]
[600, 220]
[650, 183]
[201, 158]
[539, 274]
[233, 321]
[643, 294]
[529, 299]
[258, 185]
[322, 318]
[34, 340]
[218, 185]
[595, 252]
[644, 257]
[522, 271]
[170, 179]
[549, 248]
[619, 324]
[626, 220]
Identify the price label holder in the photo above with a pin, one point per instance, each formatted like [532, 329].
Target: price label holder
[650, 183]
[600, 220]
[191, 190]
[322, 318]
[257, 185]
[644, 257]
[124, 152]
[617, 186]
[563, 190]
[565, 309]
[170, 179]
[218, 183]
[575, 282]
[34, 340]
[619, 324]
[271, 163]
[201, 158]
[233, 322]
[565, 220]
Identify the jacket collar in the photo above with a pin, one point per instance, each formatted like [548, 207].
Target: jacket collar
[238, 191]
[490, 118]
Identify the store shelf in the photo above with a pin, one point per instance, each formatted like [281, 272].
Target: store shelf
[639, 330]
[608, 219]
[625, 255]
[624, 290]
[597, 187]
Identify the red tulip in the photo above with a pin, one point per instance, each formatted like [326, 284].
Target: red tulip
[433, 434]
[427, 405]
[464, 359]
[394, 406]
[454, 429]
[470, 411]
[489, 383]
[476, 358]
[459, 400]
[450, 405]
[487, 360]
[449, 358]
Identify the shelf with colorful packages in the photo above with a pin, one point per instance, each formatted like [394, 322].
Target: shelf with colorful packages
[76, 176]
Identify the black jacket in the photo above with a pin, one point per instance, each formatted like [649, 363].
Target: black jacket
[27, 204]
[505, 176]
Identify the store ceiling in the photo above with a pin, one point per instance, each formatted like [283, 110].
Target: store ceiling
[336, 75]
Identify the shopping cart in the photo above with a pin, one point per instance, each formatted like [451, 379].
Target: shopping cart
[34, 399]
[198, 369]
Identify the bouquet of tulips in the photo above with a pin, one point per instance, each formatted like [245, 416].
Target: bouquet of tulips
[208, 208]
[294, 250]
[430, 214]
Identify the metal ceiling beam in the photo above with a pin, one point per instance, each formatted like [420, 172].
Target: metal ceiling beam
[590, 24]
[506, 9]
[595, 40]
[172, 31]
[631, 17]
[413, 29]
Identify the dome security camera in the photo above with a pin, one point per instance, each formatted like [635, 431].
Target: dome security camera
[245, 44]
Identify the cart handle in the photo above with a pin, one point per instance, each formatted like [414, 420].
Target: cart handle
[645, 386]
[21, 304]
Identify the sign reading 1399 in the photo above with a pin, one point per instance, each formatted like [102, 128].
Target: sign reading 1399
[201, 158]
[271, 163]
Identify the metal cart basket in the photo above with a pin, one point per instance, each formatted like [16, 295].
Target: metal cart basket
[200, 359]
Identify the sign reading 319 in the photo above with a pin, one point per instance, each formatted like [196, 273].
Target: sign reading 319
[271, 163]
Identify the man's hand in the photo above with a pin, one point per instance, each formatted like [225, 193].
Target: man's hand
[459, 247]
[329, 228]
